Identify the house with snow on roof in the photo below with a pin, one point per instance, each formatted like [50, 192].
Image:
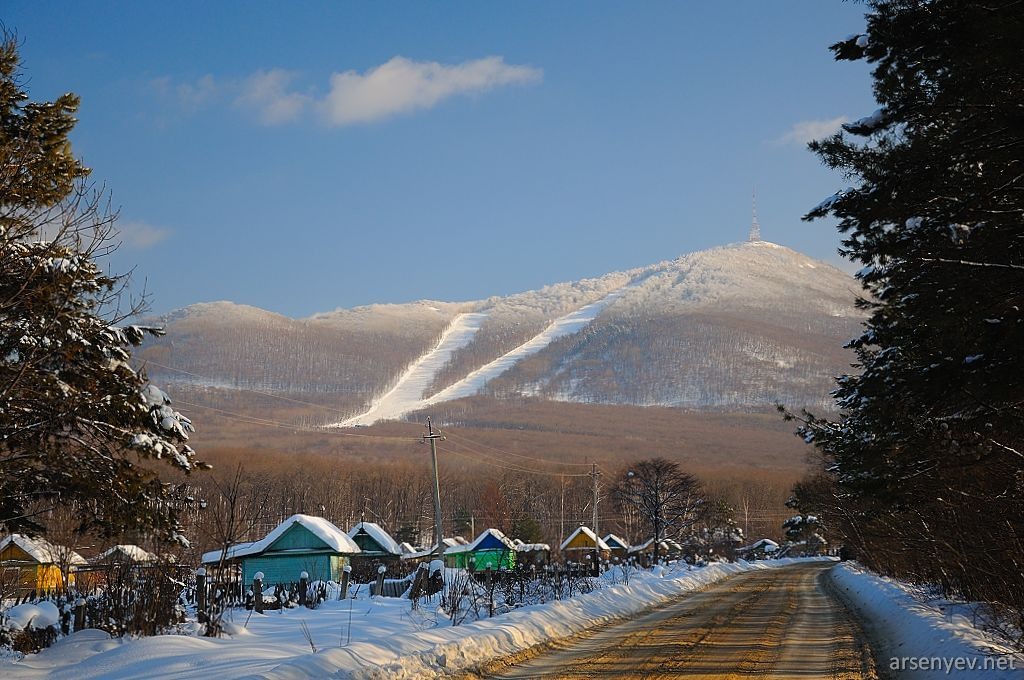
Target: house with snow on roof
[582, 543]
[301, 543]
[491, 549]
[376, 547]
[35, 564]
[124, 554]
[619, 547]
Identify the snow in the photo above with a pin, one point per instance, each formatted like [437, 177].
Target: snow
[588, 532]
[407, 394]
[378, 534]
[909, 626]
[560, 327]
[42, 615]
[133, 552]
[612, 538]
[334, 537]
[388, 638]
[41, 550]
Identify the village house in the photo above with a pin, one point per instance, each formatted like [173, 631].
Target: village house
[34, 564]
[301, 543]
[583, 542]
[619, 547]
[376, 547]
[491, 549]
[535, 554]
[122, 554]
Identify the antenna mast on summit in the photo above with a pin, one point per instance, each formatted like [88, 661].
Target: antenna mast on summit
[755, 226]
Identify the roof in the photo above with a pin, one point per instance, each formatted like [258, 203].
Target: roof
[332, 536]
[531, 547]
[407, 548]
[41, 550]
[377, 533]
[601, 545]
[766, 544]
[132, 552]
[490, 539]
[451, 545]
[614, 541]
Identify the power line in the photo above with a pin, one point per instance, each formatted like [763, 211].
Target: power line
[517, 455]
[488, 461]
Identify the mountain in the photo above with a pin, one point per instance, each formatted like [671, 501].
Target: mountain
[732, 328]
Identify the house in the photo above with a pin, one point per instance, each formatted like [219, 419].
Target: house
[643, 553]
[532, 554]
[619, 547]
[491, 549]
[376, 547]
[301, 543]
[124, 554]
[584, 542]
[28, 564]
[421, 555]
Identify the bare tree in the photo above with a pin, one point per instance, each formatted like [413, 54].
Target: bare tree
[666, 497]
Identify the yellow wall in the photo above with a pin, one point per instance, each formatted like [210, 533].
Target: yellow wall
[35, 576]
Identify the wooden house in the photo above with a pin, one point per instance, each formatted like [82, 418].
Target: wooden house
[124, 554]
[758, 550]
[490, 549]
[28, 564]
[376, 547]
[619, 547]
[583, 542]
[532, 554]
[301, 543]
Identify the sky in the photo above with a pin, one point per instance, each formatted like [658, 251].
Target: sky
[306, 156]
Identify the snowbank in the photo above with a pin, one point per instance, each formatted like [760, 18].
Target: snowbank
[440, 651]
[42, 615]
[918, 637]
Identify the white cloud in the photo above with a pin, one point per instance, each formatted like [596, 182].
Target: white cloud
[397, 86]
[266, 93]
[139, 235]
[401, 86]
[807, 130]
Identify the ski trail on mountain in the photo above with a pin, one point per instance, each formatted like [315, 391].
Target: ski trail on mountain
[407, 394]
[560, 327]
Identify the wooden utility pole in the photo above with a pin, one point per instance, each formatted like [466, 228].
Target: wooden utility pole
[432, 437]
[594, 475]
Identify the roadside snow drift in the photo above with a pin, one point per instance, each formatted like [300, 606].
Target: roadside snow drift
[922, 638]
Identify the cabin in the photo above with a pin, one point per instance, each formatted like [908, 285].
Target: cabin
[490, 549]
[376, 547]
[532, 554]
[424, 554]
[125, 554]
[643, 553]
[301, 543]
[34, 564]
[619, 547]
[582, 543]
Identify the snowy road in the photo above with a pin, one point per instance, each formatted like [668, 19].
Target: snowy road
[779, 623]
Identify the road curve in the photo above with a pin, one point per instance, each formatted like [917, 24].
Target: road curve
[772, 623]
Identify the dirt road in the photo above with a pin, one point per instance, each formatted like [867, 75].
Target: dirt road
[775, 623]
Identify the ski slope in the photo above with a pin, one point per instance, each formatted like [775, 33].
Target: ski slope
[407, 394]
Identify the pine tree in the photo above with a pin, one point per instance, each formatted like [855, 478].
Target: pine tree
[79, 426]
[929, 453]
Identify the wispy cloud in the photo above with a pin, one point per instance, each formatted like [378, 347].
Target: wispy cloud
[139, 235]
[402, 86]
[396, 87]
[808, 130]
[267, 94]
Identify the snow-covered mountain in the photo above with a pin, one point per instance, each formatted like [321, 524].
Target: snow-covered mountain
[735, 327]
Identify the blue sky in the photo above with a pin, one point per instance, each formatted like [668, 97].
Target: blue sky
[305, 156]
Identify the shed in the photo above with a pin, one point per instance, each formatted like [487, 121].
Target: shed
[584, 541]
[758, 550]
[301, 543]
[36, 564]
[376, 547]
[536, 554]
[491, 549]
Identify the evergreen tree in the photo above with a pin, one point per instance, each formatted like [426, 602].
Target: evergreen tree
[929, 453]
[79, 427]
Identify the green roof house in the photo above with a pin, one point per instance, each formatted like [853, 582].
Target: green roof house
[301, 543]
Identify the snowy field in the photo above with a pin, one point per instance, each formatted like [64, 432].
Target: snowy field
[388, 638]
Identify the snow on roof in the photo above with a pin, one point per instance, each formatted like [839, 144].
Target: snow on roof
[620, 542]
[132, 552]
[457, 544]
[331, 535]
[407, 548]
[496, 534]
[586, 531]
[41, 550]
[377, 533]
[766, 544]
[531, 547]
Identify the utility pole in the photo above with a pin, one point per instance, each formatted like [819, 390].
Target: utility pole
[595, 474]
[561, 506]
[432, 437]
